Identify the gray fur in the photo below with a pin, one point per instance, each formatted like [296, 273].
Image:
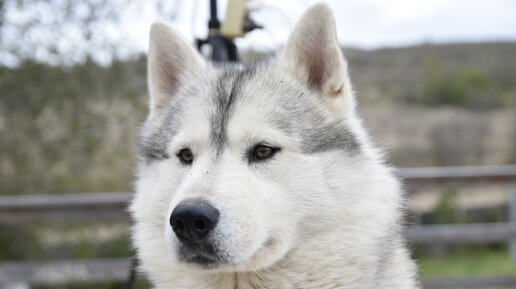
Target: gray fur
[308, 119]
[299, 113]
[151, 144]
[153, 147]
[229, 89]
[326, 137]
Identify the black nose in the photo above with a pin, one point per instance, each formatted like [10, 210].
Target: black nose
[193, 220]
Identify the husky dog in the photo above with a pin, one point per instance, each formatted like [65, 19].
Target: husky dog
[262, 176]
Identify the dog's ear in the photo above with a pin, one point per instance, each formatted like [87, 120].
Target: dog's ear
[171, 58]
[313, 55]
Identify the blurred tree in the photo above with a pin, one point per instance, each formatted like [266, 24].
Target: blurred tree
[70, 31]
[463, 86]
[66, 128]
[431, 88]
[469, 87]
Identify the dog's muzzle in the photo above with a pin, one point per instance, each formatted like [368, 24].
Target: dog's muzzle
[192, 222]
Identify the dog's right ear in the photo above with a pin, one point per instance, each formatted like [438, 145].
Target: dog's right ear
[313, 56]
[171, 58]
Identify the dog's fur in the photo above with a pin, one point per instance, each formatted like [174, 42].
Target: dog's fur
[323, 212]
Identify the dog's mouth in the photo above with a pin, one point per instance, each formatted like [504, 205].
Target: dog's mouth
[206, 262]
[203, 255]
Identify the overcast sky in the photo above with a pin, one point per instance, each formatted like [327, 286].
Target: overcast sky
[360, 23]
[375, 23]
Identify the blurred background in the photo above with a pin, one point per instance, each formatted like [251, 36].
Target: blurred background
[435, 82]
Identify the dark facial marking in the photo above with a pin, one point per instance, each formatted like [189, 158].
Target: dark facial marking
[326, 137]
[153, 147]
[235, 78]
[307, 119]
[151, 143]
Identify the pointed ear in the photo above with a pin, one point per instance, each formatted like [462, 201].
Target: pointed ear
[171, 58]
[312, 54]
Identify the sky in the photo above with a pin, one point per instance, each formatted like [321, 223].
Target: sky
[366, 24]
[374, 23]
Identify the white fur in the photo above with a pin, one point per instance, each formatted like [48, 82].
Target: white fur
[323, 220]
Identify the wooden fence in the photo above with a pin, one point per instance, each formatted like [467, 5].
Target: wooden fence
[112, 206]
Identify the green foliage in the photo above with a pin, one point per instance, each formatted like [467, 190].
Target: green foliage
[466, 86]
[69, 129]
[416, 75]
[477, 261]
[465, 82]
[431, 88]
[446, 210]
[25, 247]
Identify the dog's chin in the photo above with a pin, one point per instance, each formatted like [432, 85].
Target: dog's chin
[202, 256]
[207, 257]
[202, 261]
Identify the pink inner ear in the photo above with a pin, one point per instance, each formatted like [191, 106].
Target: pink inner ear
[316, 68]
[315, 56]
[168, 77]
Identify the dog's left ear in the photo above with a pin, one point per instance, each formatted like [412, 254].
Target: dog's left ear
[313, 55]
[171, 59]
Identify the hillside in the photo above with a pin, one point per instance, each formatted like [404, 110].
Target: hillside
[400, 74]
[71, 129]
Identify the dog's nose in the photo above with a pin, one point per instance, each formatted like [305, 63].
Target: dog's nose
[192, 221]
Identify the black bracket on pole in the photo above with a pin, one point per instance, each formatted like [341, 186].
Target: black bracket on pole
[223, 49]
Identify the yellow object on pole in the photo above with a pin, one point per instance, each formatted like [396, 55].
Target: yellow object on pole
[233, 25]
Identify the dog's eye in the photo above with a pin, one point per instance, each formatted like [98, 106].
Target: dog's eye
[263, 152]
[185, 156]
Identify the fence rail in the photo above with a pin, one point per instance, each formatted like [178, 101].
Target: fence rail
[64, 207]
[462, 234]
[506, 173]
[113, 206]
[64, 271]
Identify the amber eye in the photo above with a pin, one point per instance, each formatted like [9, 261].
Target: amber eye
[185, 156]
[263, 152]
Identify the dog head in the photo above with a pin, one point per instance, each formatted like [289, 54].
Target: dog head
[234, 160]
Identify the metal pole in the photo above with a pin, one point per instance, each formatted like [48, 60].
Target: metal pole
[214, 21]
